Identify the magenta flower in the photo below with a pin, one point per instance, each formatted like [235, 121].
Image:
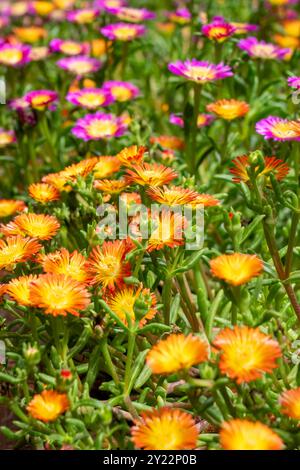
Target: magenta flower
[262, 49]
[121, 91]
[108, 5]
[180, 16]
[294, 82]
[69, 47]
[14, 55]
[219, 30]
[200, 72]
[203, 120]
[279, 129]
[90, 98]
[26, 114]
[135, 15]
[123, 31]
[99, 126]
[82, 16]
[80, 65]
[244, 28]
[6, 137]
[42, 99]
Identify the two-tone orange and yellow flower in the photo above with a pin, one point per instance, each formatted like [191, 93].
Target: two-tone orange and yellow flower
[228, 109]
[41, 226]
[48, 405]
[150, 174]
[236, 268]
[69, 264]
[290, 403]
[17, 249]
[241, 434]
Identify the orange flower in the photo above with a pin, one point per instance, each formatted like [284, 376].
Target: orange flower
[175, 353]
[58, 180]
[58, 294]
[81, 169]
[30, 34]
[290, 403]
[43, 227]
[165, 429]
[106, 167]
[169, 142]
[69, 264]
[107, 265]
[272, 165]
[236, 269]
[111, 186]
[10, 206]
[173, 196]
[228, 109]
[241, 434]
[43, 192]
[3, 288]
[48, 405]
[292, 27]
[168, 231]
[206, 200]
[151, 174]
[130, 156]
[246, 353]
[19, 289]
[124, 303]
[17, 249]
[287, 41]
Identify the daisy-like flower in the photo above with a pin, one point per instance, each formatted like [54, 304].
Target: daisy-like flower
[287, 41]
[203, 120]
[107, 266]
[80, 65]
[175, 353]
[244, 28]
[246, 353]
[125, 303]
[262, 49]
[42, 99]
[30, 34]
[111, 186]
[168, 142]
[237, 268]
[107, 5]
[292, 27]
[290, 403]
[199, 71]
[81, 169]
[41, 226]
[165, 429]
[43, 192]
[167, 230]
[106, 166]
[14, 55]
[272, 165]
[11, 206]
[58, 181]
[48, 405]
[42, 8]
[219, 30]
[19, 289]
[228, 109]
[241, 434]
[181, 16]
[135, 15]
[294, 82]
[123, 31]
[38, 53]
[64, 4]
[279, 129]
[131, 156]
[150, 174]
[173, 196]
[69, 47]
[82, 16]
[69, 264]
[99, 126]
[58, 295]
[206, 200]
[17, 249]
[90, 98]
[7, 137]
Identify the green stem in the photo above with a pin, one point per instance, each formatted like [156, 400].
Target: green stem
[192, 144]
[130, 351]
[108, 361]
[166, 297]
[292, 239]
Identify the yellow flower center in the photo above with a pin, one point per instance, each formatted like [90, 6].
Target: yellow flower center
[80, 67]
[265, 51]
[39, 101]
[101, 128]
[121, 93]
[125, 33]
[286, 130]
[5, 139]
[91, 99]
[200, 74]
[10, 56]
[70, 48]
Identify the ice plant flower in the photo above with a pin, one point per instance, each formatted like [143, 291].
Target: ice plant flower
[219, 30]
[135, 15]
[243, 28]
[111, 186]
[294, 82]
[62, 261]
[237, 268]
[69, 47]
[80, 65]
[271, 165]
[167, 230]
[241, 434]
[14, 55]
[290, 403]
[59, 294]
[7, 137]
[199, 71]
[17, 249]
[246, 353]
[165, 429]
[19, 289]
[30, 34]
[38, 53]
[107, 5]
[43, 192]
[11, 206]
[82, 16]
[107, 265]
[292, 27]
[206, 200]
[262, 49]
[121, 91]
[176, 352]
[203, 120]
[41, 226]
[123, 31]
[279, 129]
[106, 166]
[42, 8]
[181, 16]
[147, 174]
[42, 99]
[131, 156]
[228, 109]
[81, 169]
[48, 405]
[168, 142]
[99, 126]
[139, 305]
[90, 98]
[172, 196]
